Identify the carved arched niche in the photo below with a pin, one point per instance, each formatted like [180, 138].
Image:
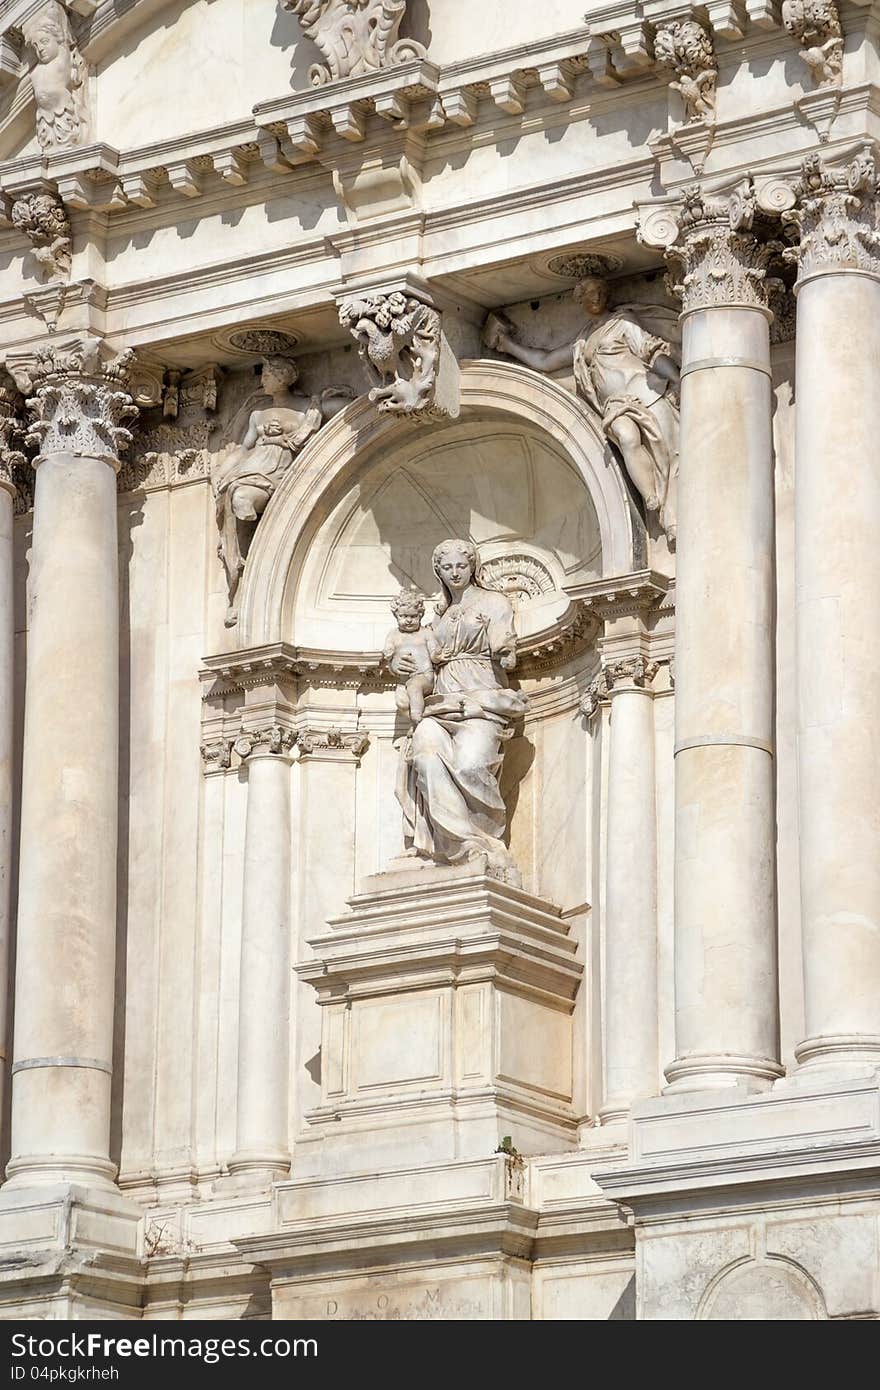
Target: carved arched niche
[524, 474]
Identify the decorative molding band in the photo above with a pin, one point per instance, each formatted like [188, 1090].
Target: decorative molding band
[37, 1063]
[724, 741]
[704, 364]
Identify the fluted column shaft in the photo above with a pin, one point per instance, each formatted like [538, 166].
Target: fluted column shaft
[65, 963]
[631, 1059]
[725, 912]
[837, 524]
[262, 1143]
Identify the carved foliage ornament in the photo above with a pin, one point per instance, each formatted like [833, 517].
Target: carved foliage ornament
[271, 739]
[686, 47]
[43, 220]
[78, 403]
[815, 25]
[835, 217]
[629, 673]
[12, 432]
[332, 740]
[354, 36]
[59, 77]
[721, 261]
[399, 340]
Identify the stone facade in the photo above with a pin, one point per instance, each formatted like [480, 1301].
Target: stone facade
[521, 960]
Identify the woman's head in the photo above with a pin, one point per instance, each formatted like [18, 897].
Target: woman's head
[279, 374]
[591, 294]
[456, 565]
[48, 33]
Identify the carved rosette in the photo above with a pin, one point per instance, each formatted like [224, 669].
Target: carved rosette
[270, 739]
[400, 340]
[686, 47]
[12, 432]
[354, 36]
[835, 217]
[721, 262]
[313, 742]
[626, 674]
[78, 403]
[43, 219]
[815, 25]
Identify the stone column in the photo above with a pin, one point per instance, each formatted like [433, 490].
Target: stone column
[11, 432]
[837, 566]
[66, 940]
[631, 1061]
[262, 1149]
[725, 891]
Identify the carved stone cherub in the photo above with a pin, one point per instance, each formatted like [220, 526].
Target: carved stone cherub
[412, 640]
[58, 77]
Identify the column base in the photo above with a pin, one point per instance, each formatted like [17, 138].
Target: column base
[842, 1052]
[719, 1072]
[35, 1170]
[69, 1251]
[251, 1170]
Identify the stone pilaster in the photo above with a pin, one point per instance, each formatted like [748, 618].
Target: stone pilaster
[66, 941]
[725, 929]
[11, 459]
[262, 1149]
[631, 1069]
[837, 515]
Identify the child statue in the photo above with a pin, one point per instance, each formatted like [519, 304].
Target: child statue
[410, 639]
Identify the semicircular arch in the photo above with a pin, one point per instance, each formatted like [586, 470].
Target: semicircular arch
[331, 462]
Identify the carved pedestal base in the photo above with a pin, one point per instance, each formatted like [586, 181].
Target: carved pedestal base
[447, 999]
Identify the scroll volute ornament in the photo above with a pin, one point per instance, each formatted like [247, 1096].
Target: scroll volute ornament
[354, 36]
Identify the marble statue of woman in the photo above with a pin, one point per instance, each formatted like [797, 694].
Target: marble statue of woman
[248, 473]
[630, 376]
[452, 806]
[58, 79]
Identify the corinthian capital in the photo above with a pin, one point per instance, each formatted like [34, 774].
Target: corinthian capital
[78, 401]
[721, 261]
[835, 217]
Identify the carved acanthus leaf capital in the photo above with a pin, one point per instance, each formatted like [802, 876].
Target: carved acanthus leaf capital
[626, 673]
[77, 402]
[269, 738]
[317, 741]
[713, 244]
[354, 36]
[836, 216]
[42, 217]
[400, 339]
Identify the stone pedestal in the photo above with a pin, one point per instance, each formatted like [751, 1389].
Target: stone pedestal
[446, 1001]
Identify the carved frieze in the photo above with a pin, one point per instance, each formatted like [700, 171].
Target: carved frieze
[59, 76]
[78, 402]
[835, 217]
[354, 36]
[175, 447]
[815, 25]
[712, 243]
[400, 340]
[686, 47]
[43, 219]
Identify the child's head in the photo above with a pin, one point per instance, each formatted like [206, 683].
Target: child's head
[409, 609]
